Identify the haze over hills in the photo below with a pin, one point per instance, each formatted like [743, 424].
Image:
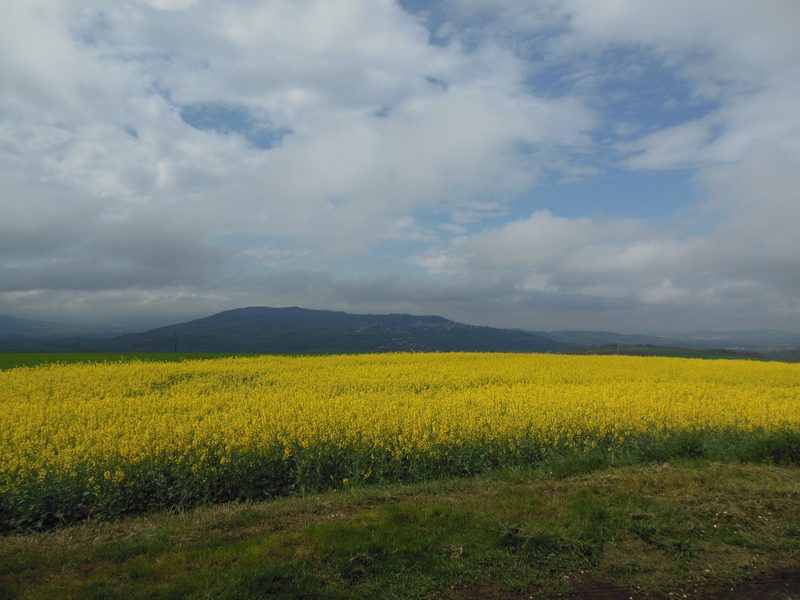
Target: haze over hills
[756, 340]
[765, 340]
[17, 326]
[22, 335]
[605, 338]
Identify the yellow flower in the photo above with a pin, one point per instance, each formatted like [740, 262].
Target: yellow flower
[81, 420]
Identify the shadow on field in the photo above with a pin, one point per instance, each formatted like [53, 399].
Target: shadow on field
[784, 585]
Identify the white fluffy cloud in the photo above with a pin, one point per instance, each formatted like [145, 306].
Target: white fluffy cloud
[378, 119]
[731, 259]
[386, 127]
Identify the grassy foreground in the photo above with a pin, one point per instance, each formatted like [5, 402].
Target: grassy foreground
[716, 530]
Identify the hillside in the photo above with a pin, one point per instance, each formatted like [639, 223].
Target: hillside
[294, 330]
[298, 330]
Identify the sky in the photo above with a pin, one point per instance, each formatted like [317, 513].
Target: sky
[574, 164]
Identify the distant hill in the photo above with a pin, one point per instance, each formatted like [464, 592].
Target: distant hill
[761, 341]
[605, 338]
[790, 355]
[17, 326]
[27, 335]
[303, 331]
[22, 335]
[758, 340]
[296, 330]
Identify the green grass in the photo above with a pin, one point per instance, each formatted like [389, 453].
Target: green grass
[691, 527]
[10, 360]
[677, 352]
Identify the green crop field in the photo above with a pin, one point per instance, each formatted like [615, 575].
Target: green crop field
[10, 360]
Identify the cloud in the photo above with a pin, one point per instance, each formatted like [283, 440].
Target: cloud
[116, 97]
[743, 152]
[195, 156]
[742, 58]
[746, 265]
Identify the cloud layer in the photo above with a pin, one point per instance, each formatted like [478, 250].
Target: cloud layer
[164, 159]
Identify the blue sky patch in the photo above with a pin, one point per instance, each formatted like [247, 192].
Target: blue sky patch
[614, 193]
[229, 119]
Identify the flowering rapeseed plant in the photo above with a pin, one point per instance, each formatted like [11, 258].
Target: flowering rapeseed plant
[101, 439]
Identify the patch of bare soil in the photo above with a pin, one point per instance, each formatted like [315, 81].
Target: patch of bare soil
[589, 587]
[779, 586]
[784, 585]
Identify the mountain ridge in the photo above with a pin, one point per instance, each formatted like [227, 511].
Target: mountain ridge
[301, 330]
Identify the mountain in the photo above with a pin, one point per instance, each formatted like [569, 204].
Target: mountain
[302, 331]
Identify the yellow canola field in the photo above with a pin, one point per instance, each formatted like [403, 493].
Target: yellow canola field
[204, 414]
